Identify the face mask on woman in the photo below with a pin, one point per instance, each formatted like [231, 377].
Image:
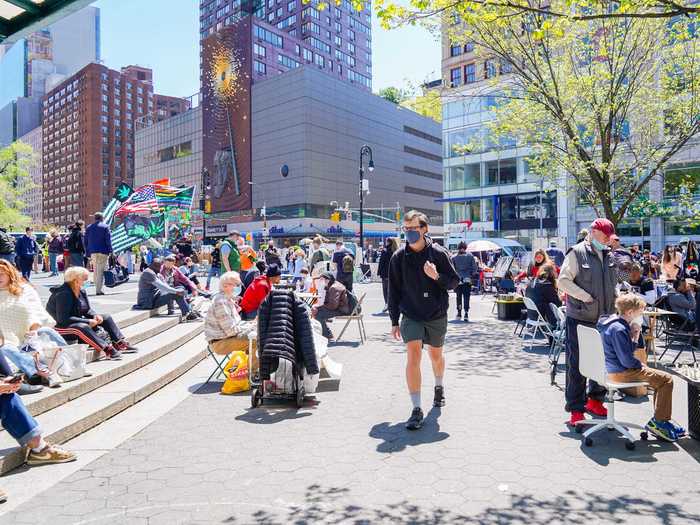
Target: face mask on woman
[236, 291]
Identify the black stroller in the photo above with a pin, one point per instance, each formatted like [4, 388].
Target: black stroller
[286, 348]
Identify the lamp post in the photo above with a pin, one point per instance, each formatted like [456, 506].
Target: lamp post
[364, 150]
[263, 211]
[206, 186]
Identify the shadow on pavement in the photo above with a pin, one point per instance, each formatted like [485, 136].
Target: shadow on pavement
[212, 387]
[270, 416]
[396, 438]
[333, 505]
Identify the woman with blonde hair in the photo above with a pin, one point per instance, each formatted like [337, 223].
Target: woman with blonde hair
[70, 307]
[539, 259]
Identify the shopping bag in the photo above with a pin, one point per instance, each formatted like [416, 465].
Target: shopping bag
[236, 370]
[71, 361]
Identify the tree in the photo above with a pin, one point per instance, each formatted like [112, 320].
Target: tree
[392, 94]
[607, 101]
[15, 162]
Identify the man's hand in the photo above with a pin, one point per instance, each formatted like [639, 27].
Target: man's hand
[99, 319]
[635, 330]
[396, 332]
[8, 388]
[590, 300]
[431, 270]
[195, 293]
[93, 323]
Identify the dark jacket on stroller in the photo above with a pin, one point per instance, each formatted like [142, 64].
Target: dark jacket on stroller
[284, 330]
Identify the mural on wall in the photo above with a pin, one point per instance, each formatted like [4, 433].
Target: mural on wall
[226, 107]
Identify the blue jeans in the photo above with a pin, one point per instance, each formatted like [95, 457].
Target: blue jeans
[26, 262]
[52, 262]
[22, 360]
[9, 257]
[76, 259]
[214, 271]
[16, 420]
[53, 335]
[168, 298]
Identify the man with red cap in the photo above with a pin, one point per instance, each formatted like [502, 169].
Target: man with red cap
[588, 277]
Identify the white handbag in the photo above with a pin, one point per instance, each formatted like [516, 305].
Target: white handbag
[68, 362]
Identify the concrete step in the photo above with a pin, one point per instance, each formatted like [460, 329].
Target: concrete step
[129, 317]
[167, 335]
[79, 415]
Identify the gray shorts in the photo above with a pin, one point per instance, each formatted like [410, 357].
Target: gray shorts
[429, 332]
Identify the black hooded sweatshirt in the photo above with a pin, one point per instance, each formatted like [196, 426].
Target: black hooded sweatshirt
[414, 294]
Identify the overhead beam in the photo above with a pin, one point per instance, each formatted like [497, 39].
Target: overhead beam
[28, 6]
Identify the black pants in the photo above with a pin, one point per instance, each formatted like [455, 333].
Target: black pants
[88, 334]
[463, 292]
[25, 265]
[322, 315]
[385, 289]
[346, 280]
[575, 382]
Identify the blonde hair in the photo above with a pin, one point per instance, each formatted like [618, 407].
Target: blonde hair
[15, 284]
[74, 273]
[629, 303]
[230, 277]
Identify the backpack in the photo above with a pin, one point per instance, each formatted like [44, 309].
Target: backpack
[7, 243]
[73, 243]
[348, 264]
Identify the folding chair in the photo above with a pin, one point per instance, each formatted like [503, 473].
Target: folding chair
[355, 315]
[245, 345]
[539, 324]
[558, 342]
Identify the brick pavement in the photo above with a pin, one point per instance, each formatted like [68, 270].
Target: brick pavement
[498, 453]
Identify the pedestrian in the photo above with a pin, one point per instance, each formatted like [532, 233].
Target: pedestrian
[7, 246]
[55, 249]
[98, 247]
[468, 270]
[215, 268]
[76, 244]
[230, 256]
[588, 277]
[420, 274]
[318, 254]
[26, 250]
[345, 264]
[390, 246]
[272, 255]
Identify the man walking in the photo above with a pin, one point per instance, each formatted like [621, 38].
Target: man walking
[420, 274]
[98, 247]
[468, 269]
[588, 277]
[26, 249]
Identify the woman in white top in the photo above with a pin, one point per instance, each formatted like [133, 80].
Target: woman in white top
[670, 264]
[21, 317]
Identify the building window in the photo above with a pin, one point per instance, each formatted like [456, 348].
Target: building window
[469, 47]
[260, 67]
[319, 60]
[455, 77]
[288, 62]
[455, 50]
[259, 50]
[291, 6]
[469, 73]
[308, 55]
[351, 47]
[490, 70]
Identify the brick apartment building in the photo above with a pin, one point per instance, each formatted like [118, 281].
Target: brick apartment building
[166, 107]
[88, 138]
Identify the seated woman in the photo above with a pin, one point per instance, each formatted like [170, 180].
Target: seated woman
[70, 307]
[21, 317]
[543, 291]
[223, 326]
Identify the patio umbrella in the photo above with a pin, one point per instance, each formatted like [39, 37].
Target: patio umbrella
[305, 241]
[482, 246]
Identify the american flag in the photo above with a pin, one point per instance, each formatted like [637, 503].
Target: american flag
[143, 199]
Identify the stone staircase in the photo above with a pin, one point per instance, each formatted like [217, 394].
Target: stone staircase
[167, 349]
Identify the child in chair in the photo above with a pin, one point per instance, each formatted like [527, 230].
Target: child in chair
[621, 337]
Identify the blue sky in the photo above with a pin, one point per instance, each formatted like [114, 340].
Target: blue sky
[162, 34]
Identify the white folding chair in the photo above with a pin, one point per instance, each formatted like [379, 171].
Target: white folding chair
[533, 326]
[558, 341]
[355, 315]
[591, 363]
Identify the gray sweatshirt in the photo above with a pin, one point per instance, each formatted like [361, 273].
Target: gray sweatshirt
[149, 284]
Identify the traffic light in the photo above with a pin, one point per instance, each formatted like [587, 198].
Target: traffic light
[335, 217]
[398, 216]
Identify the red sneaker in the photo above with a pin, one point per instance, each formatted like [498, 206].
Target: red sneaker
[595, 407]
[576, 416]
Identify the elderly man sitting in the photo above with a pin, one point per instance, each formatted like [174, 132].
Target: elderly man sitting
[154, 292]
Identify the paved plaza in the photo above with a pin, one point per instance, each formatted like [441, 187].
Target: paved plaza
[498, 453]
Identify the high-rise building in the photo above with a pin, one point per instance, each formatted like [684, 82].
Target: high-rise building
[88, 139]
[32, 66]
[32, 197]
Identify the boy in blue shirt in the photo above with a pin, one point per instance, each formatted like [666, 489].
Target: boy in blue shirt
[621, 337]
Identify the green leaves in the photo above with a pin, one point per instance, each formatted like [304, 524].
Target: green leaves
[15, 163]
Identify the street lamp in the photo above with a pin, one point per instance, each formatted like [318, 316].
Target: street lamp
[364, 150]
[206, 186]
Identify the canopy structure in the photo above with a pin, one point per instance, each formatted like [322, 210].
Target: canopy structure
[19, 18]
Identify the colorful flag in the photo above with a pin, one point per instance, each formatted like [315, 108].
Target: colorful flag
[142, 200]
[162, 182]
[121, 194]
[169, 197]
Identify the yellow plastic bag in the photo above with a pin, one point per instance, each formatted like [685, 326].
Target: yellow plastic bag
[236, 370]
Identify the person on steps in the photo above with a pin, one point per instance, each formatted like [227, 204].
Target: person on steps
[154, 292]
